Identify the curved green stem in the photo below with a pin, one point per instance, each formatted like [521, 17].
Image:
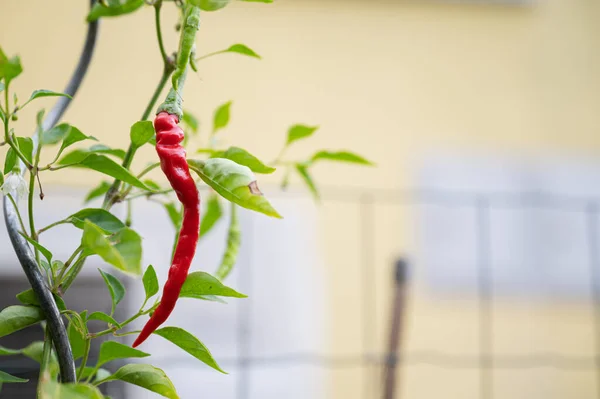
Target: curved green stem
[10, 197]
[148, 169]
[51, 225]
[161, 45]
[30, 212]
[46, 355]
[86, 354]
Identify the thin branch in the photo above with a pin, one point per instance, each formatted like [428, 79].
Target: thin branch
[10, 197]
[157, 5]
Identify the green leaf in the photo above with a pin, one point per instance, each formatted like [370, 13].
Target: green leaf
[198, 284]
[76, 339]
[51, 389]
[190, 121]
[10, 68]
[56, 134]
[103, 149]
[209, 5]
[152, 185]
[299, 132]
[75, 156]
[115, 287]
[221, 117]
[242, 49]
[97, 191]
[7, 378]
[103, 317]
[28, 297]
[212, 298]
[100, 217]
[141, 132]
[66, 133]
[211, 216]
[340, 156]
[190, 344]
[111, 350]
[78, 155]
[303, 172]
[44, 93]
[35, 351]
[103, 164]
[25, 144]
[150, 281]
[100, 373]
[8, 352]
[114, 9]
[57, 265]
[233, 182]
[145, 376]
[243, 157]
[174, 212]
[15, 318]
[43, 250]
[123, 250]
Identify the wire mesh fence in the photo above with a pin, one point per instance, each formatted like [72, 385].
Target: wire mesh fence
[383, 369]
[381, 354]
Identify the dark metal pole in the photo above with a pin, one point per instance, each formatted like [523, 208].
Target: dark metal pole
[36, 279]
[395, 339]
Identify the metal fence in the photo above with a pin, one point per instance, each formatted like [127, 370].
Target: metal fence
[383, 370]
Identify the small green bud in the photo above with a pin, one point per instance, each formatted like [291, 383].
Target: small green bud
[14, 117]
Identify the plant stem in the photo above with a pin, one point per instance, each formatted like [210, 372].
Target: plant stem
[7, 138]
[40, 231]
[161, 45]
[86, 354]
[77, 251]
[210, 55]
[72, 274]
[45, 361]
[30, 212]
[149, 194]
[148, 169]
[10, 197]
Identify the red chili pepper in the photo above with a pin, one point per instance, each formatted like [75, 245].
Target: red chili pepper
[174, 165]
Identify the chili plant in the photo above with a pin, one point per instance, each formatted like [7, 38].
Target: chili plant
[228, 175]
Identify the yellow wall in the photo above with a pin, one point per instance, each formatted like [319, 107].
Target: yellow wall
[390, 79]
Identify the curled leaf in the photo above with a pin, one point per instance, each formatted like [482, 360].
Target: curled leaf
[113, 9]
[233, 182]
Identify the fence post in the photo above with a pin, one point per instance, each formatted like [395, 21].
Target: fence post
[394, 352]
